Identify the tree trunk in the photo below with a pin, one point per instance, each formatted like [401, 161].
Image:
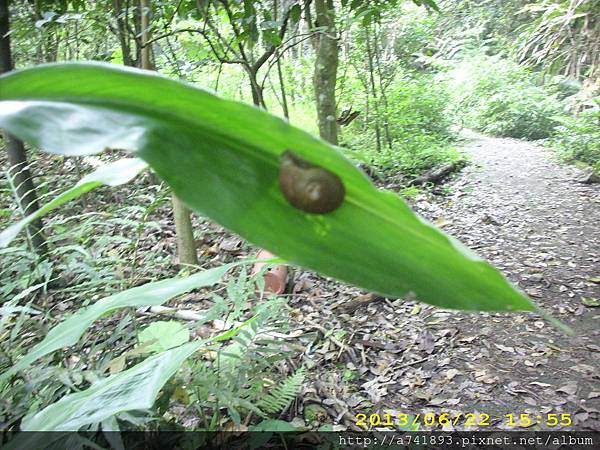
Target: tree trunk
[255, 88]
[373, 89]
[186, 247]
[286, 110]
[382, 89]
[146, 55]
[137, 31]
[17, 157]
[326, 72]
[48, 42]
[123, 33]
[314, 38]
[284, 103]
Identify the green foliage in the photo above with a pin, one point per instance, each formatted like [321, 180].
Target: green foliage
[283, 394]
[578, 138]
[562, 37]
[80, 260]
[563, 86]
[252, 21]
[133, 389]
[70, 331]
[521, 112]
[368, 12]
[180, 131]
[21, 271]
[112, 174]
[497, 96]
[52, 376]
[46, 31]
[43, 384]
[420, 129]
[242, 360]
[418, 125]
[407, 36]
[423, 153]
[465, 26]
[410, 192]
[417, 105]
[403, 126]
[238, 377]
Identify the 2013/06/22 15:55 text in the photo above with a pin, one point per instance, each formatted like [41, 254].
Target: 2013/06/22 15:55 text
[523, 420]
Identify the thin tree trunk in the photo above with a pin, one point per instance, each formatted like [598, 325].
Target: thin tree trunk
[314, 39]
[137, 31]
[284, 103]
[286, 110]
[386, 124]
[146, 52]
[367, 111]
[373, 89]
[326, 72]
[19, 169]
[256, 90]
[15, 149]
[186, 247]
[123, 33]
[218, 77]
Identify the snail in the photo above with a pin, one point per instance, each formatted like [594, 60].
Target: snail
[309, 187]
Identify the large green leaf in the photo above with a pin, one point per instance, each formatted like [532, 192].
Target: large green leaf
[132, 389]
[69, 331]
[222, 158]
[111, 174]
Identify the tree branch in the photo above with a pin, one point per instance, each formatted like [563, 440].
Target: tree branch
[281, 52]
[237, 33]
[226, 45]
[266, 55]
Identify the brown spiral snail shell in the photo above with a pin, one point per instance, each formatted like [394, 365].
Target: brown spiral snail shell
[309, 187]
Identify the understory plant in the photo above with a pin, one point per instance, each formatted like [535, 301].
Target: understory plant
[86, 258]
[111, 362]
[577, 138]
[419, 128]
[90, 252]
[497, 96]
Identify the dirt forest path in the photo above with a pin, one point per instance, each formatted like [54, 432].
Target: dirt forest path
[521, 210]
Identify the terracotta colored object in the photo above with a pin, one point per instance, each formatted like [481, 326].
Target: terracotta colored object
[275, 277]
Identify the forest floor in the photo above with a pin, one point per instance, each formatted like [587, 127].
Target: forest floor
[519, 208]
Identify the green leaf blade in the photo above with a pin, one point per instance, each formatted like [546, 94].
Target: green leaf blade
[222, 158]
[132, 389]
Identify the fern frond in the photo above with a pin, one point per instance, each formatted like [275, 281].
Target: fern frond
[236, 353]
[283, 394]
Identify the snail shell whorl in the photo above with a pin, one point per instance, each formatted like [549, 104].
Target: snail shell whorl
[309, 187]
